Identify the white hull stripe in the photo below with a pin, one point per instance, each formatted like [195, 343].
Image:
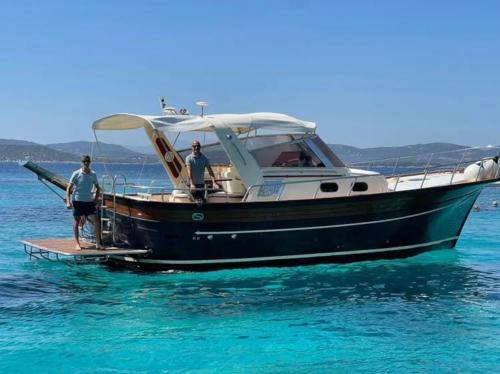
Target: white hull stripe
[290, 257]
[329, 226]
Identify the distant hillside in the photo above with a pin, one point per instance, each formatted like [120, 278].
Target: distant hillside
[15, 142]
[104, 152]
[352, 154]
[15, 152]
[410, 155]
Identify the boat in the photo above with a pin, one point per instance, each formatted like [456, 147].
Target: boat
[287, 199]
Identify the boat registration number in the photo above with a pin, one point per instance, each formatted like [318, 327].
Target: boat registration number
[270, 188]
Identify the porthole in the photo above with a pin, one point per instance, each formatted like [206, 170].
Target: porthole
[329, 187]
[360, 187]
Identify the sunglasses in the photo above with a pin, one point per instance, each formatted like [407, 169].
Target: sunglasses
[196, 146]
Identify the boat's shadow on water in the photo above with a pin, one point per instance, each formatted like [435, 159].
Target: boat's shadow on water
[432, 277]
[412, 281]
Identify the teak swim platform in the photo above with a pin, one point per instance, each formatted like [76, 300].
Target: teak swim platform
[64, 249]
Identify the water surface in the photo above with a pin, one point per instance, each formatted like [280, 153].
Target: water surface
[437, 312]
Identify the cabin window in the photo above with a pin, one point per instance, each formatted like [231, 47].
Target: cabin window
[282, 151]
[360, 187]
[293, 158]
[329, 187]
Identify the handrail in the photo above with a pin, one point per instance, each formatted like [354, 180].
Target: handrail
[352, 185]
[163, 190]
[426, 169]
[479, 170]
[456, 168]
[114, 202]
[397, 182]
[317, 190]
[435, 168]
[395, 165]
[103, 207]
[399, 158]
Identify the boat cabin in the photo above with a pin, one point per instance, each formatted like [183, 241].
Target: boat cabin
[258, 157]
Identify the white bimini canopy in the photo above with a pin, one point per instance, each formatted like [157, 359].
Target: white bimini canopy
[239, 123]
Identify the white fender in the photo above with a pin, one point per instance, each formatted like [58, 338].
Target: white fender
[481, 170]
[496, 172]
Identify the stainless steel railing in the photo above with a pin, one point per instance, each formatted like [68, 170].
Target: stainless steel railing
[452, 169]
[430, 159]
[131, 189]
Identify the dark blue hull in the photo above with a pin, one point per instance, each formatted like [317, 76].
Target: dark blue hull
[214, 236]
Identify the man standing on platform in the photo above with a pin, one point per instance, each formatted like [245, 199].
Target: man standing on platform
[196, 163]
[84, 201]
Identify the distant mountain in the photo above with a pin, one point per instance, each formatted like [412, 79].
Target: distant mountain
[101, 152]
[410, 155]
[15, 152]
[352, 154]
[15, 142]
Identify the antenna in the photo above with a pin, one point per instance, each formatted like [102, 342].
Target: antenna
[166, 110]
[162, 104]
[202, 105]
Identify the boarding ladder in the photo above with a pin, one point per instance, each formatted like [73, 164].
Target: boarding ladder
[108, 213]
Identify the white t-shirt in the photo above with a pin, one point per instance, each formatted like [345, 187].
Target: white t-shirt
[83, 183]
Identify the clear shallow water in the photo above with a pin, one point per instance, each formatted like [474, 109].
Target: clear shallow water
[437, 312]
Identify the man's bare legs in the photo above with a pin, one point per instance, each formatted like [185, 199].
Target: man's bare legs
[76, 232]
[97, 230]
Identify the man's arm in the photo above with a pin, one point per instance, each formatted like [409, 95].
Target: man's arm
[97, 188]
[97, 191]
[190, 184]
[212, 175]
[68, 195]
[72, 180]
[190, 176]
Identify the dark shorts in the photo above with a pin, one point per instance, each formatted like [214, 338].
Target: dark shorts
[83, 208]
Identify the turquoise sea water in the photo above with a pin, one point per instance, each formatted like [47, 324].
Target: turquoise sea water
[437, 312]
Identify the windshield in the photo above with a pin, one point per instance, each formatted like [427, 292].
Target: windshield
[297, 150]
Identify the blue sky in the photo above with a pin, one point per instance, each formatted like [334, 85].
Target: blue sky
[369, 73]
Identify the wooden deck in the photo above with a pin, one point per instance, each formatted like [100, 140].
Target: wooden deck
[66, 247]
